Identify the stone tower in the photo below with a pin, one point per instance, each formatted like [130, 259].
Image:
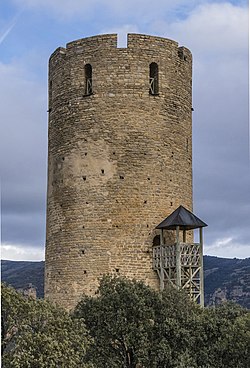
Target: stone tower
[120, 158]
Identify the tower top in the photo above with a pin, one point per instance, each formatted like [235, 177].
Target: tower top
[110, 41]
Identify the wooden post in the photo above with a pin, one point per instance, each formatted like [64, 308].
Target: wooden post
[162, 265]
[201, 269]
[178, 258]
[184, 236]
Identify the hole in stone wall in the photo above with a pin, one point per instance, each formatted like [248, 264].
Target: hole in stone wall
[122, 40]
[117, 270]
[156, 240]
[145, 202]
[171, 204]
[121, 177]
[153, 79]
[116, 226]
[82, 251]
[84, 177]
[147, 226]
[63, 158]
[87, 202]
[181, 54]
[148, 178]
[85, 153]
[113, 153]
[88, 80]
[83, 226]
[102, 171]
[84, 272]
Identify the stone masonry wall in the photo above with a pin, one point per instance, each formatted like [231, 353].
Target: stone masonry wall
[120, 160]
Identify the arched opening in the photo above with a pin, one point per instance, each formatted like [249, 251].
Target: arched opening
[88, 79]
[156, 240]
[153, 79]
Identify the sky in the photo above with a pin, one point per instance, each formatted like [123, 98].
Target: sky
[217, 34]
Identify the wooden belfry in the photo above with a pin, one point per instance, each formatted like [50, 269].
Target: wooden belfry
[181, 263]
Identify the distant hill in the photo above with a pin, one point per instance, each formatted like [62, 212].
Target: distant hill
[225, 279]
[21, 273]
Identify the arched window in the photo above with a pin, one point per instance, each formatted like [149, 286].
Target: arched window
[153, 79]
[88, 79]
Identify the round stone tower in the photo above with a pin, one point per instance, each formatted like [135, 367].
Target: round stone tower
[120, 158]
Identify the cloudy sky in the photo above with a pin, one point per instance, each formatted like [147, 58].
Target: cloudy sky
[217, 34]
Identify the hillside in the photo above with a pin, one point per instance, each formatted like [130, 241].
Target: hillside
[21, 273]
[225, 279]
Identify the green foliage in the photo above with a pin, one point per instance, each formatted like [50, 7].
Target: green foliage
[130, 325]
[37, 334]
[224, 338]
[133, 326]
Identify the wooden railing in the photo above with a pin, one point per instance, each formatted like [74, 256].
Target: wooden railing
[165, 255]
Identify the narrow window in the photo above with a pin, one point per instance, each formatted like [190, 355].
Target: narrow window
[88, 79]
[153, 79]
[50, 96]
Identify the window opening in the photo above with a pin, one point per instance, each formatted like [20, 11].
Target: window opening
[153, 79]
[156, 240]
[50, 96]
[88, 79]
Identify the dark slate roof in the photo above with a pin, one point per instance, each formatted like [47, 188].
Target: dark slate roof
[183, 218]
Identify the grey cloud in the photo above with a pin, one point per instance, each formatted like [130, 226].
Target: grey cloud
[23, 157]
[220, 128]
[24, 229]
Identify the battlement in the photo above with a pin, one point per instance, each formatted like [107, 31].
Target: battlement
[109, 41]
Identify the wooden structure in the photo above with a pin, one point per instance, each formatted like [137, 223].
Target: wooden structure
[181, 263]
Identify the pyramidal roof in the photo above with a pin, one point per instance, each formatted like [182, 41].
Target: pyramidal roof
[183, 218]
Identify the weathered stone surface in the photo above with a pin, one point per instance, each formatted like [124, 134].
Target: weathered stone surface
[120, 160]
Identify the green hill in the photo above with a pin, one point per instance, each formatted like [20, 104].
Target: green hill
[21, 273]
[227, 279]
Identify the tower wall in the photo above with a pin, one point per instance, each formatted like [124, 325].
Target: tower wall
[120, 159]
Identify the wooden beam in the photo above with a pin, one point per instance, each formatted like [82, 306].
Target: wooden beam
[161, 263]
[201, 269]
[178, 258]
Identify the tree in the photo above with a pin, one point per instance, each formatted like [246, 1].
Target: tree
[38, 334]
[135, 326]
[224, 337]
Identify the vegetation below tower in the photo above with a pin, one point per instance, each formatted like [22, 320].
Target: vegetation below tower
[127, 324]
